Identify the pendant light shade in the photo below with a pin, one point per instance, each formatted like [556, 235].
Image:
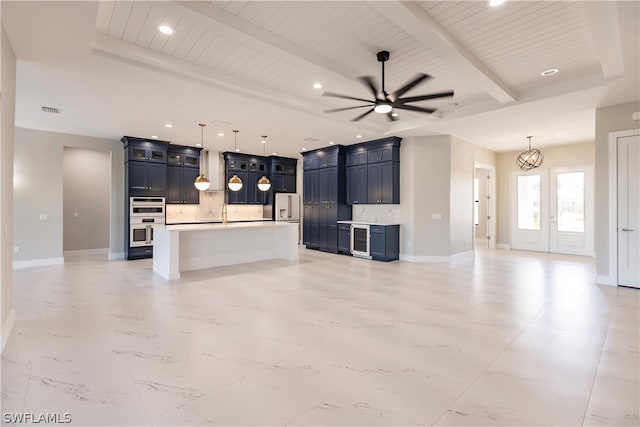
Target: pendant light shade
[201, 182]
[235, 183]
[530, 159]
[263, 183]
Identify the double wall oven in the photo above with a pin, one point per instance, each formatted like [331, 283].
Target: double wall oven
[144, 213]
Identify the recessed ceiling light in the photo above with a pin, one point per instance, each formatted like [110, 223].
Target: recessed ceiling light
[317, 85]
[198, 145]
[168, 125]
[273, 154]
[549, 72]
[165, 29]
[154, 136]
[304, 149]
[358, 136]
[494, 3]
[394, 114]
[237, 150]
[220, 134]
[331, 142]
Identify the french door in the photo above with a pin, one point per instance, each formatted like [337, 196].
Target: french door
[552, 210]
[629, 211]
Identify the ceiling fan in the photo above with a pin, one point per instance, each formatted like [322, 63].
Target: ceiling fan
[385, 103]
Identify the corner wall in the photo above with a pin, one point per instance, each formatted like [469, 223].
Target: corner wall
[8, 102]
[39, 191]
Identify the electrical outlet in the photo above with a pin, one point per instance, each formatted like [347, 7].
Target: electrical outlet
[43, 217]
[16, 249]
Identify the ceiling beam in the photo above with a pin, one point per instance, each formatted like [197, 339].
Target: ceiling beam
[416, 22]
[137, 55]
[603, 17]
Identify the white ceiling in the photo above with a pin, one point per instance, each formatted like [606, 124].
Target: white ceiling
[251, 65]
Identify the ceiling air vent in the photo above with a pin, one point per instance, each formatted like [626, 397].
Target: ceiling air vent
[311, 139]
[52, 110]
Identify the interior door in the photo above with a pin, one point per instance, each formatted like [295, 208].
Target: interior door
[530, 210]
[571, 211]
[629, 211]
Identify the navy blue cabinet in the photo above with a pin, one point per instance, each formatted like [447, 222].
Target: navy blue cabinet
[373, 172]
[384, 242]
[238, 197]
[145, 167]
[344, 239]
[183, 167]
[324, 197]
[281, 171]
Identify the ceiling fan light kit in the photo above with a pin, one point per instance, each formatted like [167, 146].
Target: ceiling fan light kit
[384, 102]
[530, 159]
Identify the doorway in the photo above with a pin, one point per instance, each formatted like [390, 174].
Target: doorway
[628, 217]
[552, 210]
[484, 206]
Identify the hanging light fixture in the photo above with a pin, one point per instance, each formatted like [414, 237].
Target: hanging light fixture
[201, 182]
[530, 159]
[235, 183]
[263, 183]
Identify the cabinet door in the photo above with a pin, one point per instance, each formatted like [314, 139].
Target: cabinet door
[174, 159]
[190, 193]
[382, 154]
[332, 185]
[157, 177]
[306, 224]
[174, 184]
[377, 243]
[313, 226]
[137, 153]
[374, 173]
[323, 185]
[289, 185]
[387, 182]
[343, 238]
[307, 187]
[357, 182]
[157, 155]
[138, 176]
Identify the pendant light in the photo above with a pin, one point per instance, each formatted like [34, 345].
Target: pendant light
[263, 183]
[235, 183]
[201, 182]
[530, 159]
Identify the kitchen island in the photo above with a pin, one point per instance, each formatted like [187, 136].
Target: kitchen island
[186, 247]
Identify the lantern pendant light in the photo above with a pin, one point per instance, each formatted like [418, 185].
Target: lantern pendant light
[263, 183]
[235, 183]
[530, 159]
[201, 182]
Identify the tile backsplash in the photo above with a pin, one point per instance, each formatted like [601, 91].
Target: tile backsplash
[210, 209]
[383, 214]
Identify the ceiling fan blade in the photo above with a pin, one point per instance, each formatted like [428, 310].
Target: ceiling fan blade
[335, 110]
[424, 97]
[361, 116]
[337, 95]
[368, 81]
[412, 108]
[391, 117]
[407, 87]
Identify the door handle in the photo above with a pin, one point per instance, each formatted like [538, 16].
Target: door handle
[627, 229]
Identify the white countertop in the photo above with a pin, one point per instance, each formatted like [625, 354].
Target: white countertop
[229, 225]
[367, 223]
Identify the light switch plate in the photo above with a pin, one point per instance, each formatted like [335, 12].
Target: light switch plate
[43, 217]
[436, 216]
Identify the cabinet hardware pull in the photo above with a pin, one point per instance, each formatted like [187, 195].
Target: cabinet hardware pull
[627, 229]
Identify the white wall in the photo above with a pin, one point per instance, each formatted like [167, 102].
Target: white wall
[39, 190]
[556, 156]
[86, 198]
[7, 100]
[481, 228]
[610, 119]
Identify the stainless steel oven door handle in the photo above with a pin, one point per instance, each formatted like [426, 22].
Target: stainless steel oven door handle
[148, 241]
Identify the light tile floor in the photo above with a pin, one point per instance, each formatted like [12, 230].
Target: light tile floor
[509, 338]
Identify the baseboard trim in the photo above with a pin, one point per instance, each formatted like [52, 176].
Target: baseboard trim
[87, 251]
[413, 258]
[116, 255]
[605, 280]
[503, 246]
[7, 327]
[37, 262]
[463, 256]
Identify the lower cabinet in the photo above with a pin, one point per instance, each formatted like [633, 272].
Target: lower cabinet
[385, 242]
[344, 239]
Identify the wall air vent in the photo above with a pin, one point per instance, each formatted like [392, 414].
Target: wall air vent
[311, 139]
[52, 110]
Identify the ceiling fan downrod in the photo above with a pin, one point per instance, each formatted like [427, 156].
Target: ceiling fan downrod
[383, 56]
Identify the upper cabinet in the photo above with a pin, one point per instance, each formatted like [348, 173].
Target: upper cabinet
[281, 171]
[183, 166]
[373, 172]
[145, 166]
